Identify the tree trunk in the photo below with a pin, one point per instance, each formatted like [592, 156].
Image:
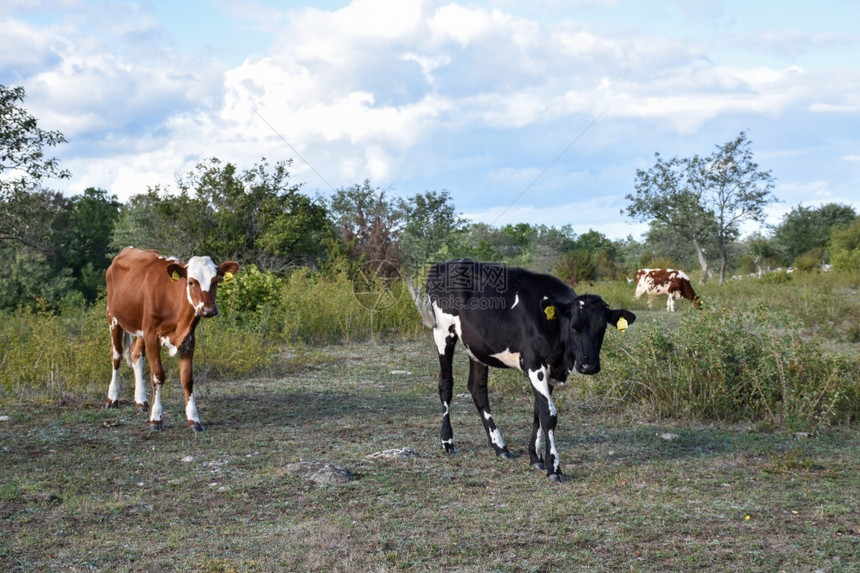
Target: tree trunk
[703, 263]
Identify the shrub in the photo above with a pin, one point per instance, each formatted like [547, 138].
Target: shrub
[735, 364]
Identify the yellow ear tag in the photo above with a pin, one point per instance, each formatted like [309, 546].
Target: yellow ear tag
[175, 276]
[621, 324]
[228, 276]
[550, 312]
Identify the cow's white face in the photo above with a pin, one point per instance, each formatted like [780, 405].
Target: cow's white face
[201, 284]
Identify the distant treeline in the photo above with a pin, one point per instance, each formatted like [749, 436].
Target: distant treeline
[55, 249]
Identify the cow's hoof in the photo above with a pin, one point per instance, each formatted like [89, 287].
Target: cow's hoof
[538, 465]
[156, 425]
[111, 403]
[449, 449]
[142, 408]
[505, 454]
[557, 478]
[195, 426]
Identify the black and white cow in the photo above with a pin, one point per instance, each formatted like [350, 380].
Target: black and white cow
[512, 318]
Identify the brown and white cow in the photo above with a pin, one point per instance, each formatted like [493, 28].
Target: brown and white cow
[670, 282]
[159, 300]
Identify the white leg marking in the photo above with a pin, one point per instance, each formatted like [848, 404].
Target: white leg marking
[539, 442]
[139, 385]
[540, 382]
[155, 416]
[495, 435]
[113, 389]
[446, 409]
[191, 410]
[556, 464]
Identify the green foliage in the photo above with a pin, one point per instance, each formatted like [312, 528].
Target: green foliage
[776, 278]
[45, 357]
[318, 308]
[576, 267]
[23, 143]
[431, 229]
[704, 199]
[810, 261]
[806, 228]
[736, 364]
[29, 281]
[845, 247]
[252, 216]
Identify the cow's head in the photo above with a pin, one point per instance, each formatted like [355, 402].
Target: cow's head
[582, 325]
[201, 281]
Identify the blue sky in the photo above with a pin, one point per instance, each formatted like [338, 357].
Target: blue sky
[493, 101]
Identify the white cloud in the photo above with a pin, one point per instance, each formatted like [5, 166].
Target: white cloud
[432, 94]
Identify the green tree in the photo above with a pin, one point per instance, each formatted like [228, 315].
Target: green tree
[670, 194]
[845, 247]
[429, 234]
[704, 197]
[735, 191]
[253, 216]
[23, 163]
[806, 228]
[83, 241]
[26, 210]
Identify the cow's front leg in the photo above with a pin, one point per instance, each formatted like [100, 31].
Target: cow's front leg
[446, 342]
[548, 416]
[478, 374]
[156, 372]
[186, 376]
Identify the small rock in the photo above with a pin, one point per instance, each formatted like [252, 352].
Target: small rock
[4, 418]
[669, 437]
[395, 453]
[187, 459]
[320, 472]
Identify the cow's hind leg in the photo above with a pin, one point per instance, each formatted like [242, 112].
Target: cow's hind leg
[117, 334]
[478, 374]
[137, 357]
[445, 343]
[536, 442]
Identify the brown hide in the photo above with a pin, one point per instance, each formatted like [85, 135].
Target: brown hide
[144, 299]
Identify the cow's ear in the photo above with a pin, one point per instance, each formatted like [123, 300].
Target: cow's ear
[620, 318]
[553, 309]
[176, 271]
[228, 269]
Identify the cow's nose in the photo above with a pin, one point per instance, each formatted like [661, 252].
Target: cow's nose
[588, 368]
[209, 312]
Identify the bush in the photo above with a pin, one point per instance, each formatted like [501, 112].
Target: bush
[748, 363]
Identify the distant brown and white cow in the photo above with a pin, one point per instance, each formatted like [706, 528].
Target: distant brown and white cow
[159, 300]
[670, 282]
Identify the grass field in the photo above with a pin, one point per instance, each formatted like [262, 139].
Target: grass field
[88, 489]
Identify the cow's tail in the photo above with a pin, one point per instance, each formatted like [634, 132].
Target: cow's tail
[422, 303]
